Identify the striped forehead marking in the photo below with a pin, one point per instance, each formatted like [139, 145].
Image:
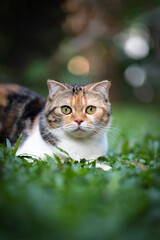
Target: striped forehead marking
[76, 89]
[78, 98]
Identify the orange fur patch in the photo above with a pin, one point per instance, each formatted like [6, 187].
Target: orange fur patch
[35, 123]
[5, 89]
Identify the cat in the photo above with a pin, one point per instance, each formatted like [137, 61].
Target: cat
[74, 118]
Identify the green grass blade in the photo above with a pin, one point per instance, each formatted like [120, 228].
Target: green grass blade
[57, 159]
[63, 151]
[17, 145]
[8, 144]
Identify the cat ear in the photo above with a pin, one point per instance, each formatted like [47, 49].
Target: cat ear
[54, 86]
[102, 87]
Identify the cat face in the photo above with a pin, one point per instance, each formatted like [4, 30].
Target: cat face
[79, 111]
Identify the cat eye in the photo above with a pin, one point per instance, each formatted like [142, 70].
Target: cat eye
[90, 109]
[66, 110]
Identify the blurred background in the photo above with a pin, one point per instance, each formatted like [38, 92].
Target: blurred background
[83, 41]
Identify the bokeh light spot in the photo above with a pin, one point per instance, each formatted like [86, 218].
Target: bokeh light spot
[78, 65]
[136, 47]
[135, 75]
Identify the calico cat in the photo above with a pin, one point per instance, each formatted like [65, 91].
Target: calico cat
[74, 118]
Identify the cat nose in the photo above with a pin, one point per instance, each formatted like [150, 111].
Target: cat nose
[79, 121]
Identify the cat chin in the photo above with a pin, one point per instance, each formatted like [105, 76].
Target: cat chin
[80, 134]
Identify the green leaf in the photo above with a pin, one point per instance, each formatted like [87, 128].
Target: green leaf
[57, 159]
[8, 144]
[63, 151]
[17, 145]
[2, 146]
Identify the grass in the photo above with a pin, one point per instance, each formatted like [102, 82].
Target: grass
[51, 200]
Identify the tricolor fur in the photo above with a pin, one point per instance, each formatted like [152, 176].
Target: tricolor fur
[45, 126]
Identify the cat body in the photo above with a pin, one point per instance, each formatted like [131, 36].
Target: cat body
[74, 118]
[19, 108]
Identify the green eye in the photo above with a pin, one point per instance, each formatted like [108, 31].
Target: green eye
[90, 110]
[66, 110]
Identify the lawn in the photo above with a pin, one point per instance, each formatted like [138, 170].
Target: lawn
[51, 200]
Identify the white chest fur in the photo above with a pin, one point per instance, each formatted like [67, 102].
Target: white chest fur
[89, 149]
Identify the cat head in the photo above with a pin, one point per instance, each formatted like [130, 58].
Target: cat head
[80, 111]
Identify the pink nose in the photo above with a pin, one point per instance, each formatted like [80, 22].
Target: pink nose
[79, 121]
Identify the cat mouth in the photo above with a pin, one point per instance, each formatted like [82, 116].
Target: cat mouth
[79, 132]
[79, 129]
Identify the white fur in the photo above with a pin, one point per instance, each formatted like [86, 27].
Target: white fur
[90, 148]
